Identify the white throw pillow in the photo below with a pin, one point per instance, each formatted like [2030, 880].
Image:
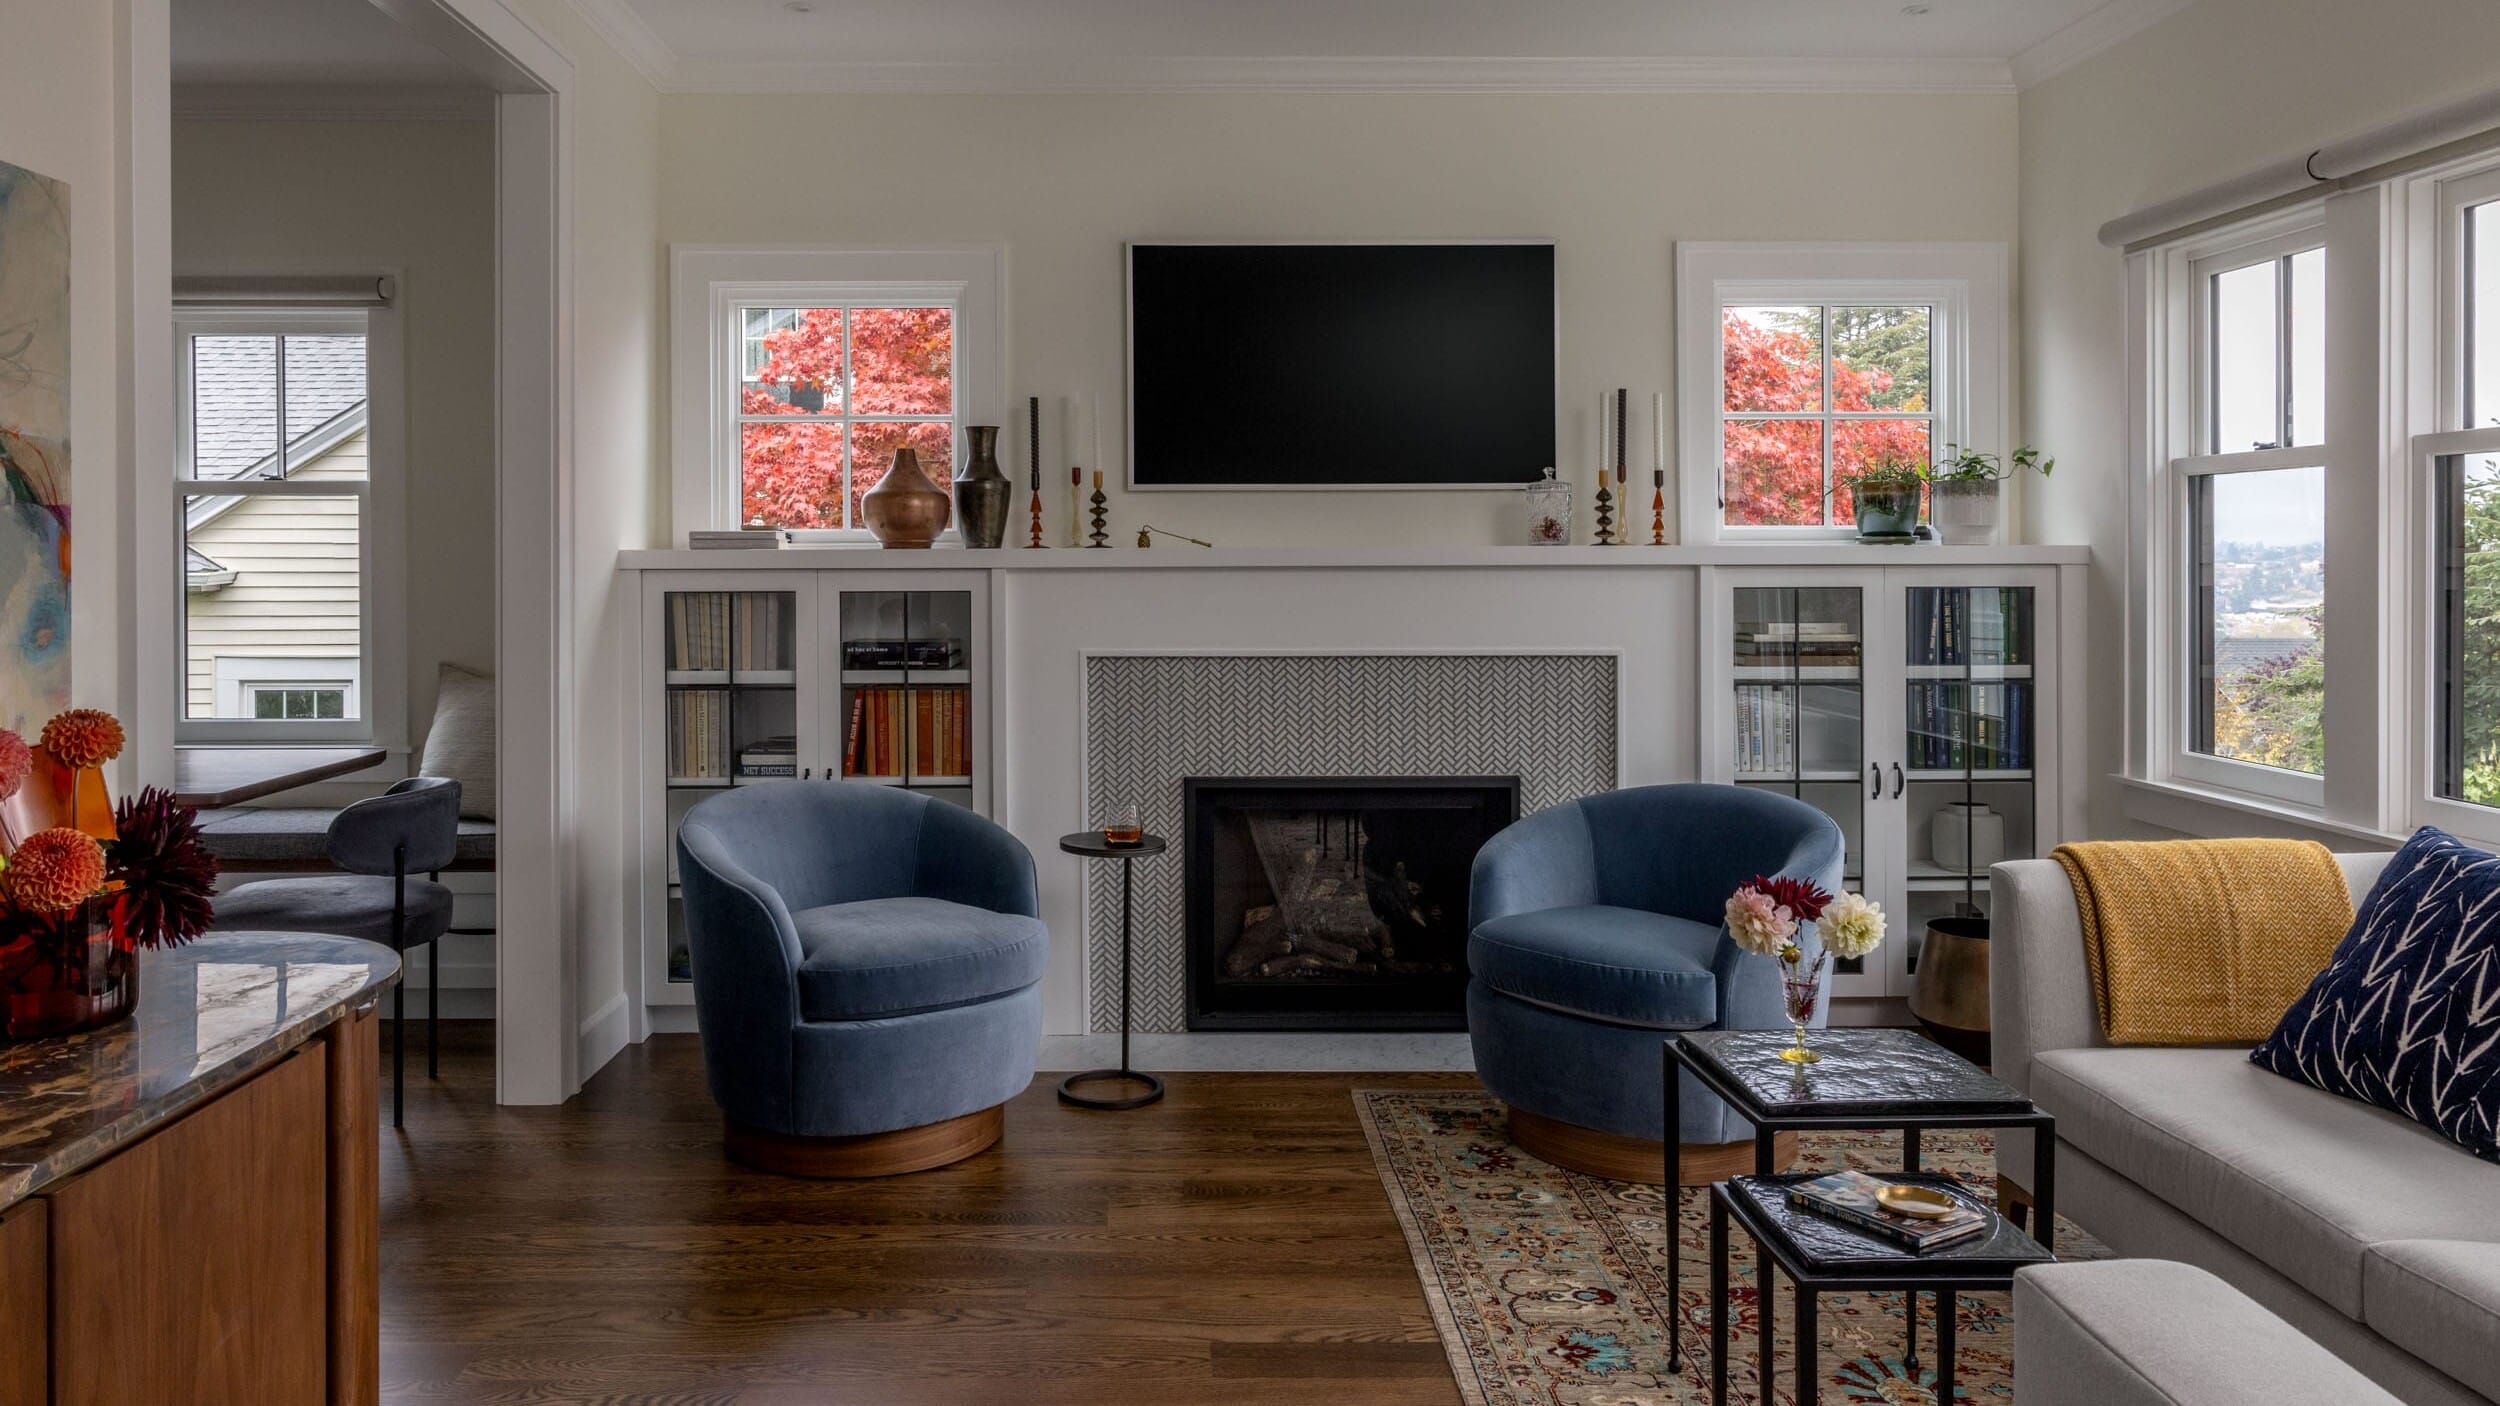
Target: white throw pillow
[461, 743]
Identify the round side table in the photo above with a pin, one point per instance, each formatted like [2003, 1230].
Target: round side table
[1091, 845]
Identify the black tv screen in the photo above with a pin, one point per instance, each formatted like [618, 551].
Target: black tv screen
[1387, 365]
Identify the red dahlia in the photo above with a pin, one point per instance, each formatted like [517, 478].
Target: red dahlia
[1802, 898]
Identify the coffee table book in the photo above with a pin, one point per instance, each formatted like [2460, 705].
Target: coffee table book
[1851, 1199]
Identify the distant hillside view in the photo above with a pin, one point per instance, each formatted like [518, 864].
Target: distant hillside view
[2270, 653]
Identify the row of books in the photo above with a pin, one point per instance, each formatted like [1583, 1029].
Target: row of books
[1959, 626]
[1806, 643]
[916, 732]
[1768, 720]
[730, 629]
[1984, 726]
[771, 759]
[1850, 1198]
[698, 733]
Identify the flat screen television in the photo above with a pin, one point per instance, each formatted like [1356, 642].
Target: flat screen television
[1340, 365]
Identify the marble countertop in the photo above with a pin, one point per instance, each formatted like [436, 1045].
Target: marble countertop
[211, 1014]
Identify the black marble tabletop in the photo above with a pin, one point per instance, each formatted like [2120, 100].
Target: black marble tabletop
[1869, 1073]
[210, 1014]
[1092, 845]
[1826, 1244]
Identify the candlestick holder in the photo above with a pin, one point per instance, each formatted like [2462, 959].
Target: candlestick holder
[1658, 507]
[1037, 521]
[1605, 513]
[1099, 537]
[1076, 499]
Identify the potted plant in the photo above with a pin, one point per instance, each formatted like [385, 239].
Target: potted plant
[1964, 491]
[1885, 498]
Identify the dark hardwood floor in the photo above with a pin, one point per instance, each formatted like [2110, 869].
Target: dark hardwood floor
[1230, 1244]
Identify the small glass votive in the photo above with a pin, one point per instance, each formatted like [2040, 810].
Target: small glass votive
[1120, 825]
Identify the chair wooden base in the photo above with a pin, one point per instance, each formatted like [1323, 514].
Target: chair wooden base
[870, 1154]
[1619, 1158]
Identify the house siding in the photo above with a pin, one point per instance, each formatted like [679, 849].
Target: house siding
[297, 579]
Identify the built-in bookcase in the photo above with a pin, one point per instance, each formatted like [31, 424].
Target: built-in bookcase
[767, 677]
[1896, 701]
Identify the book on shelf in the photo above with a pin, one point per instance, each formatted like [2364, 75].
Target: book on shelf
[1973, 627]
[698, 734]
[717, 631]
[909, 733]
[772, 757]
[1984, 725]
[1849, 1197]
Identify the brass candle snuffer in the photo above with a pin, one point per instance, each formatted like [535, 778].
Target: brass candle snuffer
[1147, 534]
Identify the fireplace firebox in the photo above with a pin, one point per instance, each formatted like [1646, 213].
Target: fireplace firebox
[1333, 903]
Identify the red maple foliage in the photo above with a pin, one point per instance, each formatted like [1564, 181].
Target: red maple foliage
[1773, 476]
[902, 363]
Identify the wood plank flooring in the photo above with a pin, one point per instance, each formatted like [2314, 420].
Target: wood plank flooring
[1231, 1244]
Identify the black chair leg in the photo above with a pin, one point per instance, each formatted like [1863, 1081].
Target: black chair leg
[433, 1002]
[399, 1050]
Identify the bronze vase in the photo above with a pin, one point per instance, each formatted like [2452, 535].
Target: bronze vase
[1949, 995]
[982, 491]
[905, 509]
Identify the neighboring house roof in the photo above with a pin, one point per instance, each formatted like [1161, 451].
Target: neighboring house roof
[233, 412]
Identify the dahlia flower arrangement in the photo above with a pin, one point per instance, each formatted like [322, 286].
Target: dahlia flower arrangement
[1768, 916]
[147, 854]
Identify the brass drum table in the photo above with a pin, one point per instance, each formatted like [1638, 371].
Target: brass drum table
[1091, 845]
[1879, 1079]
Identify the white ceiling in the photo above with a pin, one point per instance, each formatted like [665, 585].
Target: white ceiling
[344, 43]
[1459, 45]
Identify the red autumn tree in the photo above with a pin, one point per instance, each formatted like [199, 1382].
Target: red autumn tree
[1774, 466]
[902, 363]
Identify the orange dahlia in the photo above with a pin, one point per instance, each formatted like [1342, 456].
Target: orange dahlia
[83, 737]
[54, 871]
[15, 759]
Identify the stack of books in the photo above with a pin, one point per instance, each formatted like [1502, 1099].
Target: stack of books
[1809, 644]
[698, 734]
[771, 758]
[1849, 1197]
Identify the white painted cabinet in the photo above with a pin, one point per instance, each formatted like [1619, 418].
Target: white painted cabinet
[1913, 704]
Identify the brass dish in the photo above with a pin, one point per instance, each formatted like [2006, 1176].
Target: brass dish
[1917, 1202]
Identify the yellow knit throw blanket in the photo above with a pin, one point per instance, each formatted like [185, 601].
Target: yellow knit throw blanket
[2203, 942]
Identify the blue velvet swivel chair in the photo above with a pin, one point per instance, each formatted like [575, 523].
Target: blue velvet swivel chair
[867, 964]
[1595, 929]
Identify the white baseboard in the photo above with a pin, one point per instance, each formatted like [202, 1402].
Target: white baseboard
[603, 1034]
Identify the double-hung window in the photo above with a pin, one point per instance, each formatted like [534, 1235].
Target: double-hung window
[2462, 456]
[1806, 366]
[274, 436]
[2252, 489]
[801, 377]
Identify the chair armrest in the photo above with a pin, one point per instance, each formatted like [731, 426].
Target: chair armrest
[746, 992]
[1548, 860]
[2039, 991]
[964, 858]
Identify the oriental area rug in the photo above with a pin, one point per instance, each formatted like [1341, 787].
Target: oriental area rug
[1549, 1288]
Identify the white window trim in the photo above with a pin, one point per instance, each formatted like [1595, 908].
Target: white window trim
[709, 282]
[241, 676]
[383, 555]
[1966, 284]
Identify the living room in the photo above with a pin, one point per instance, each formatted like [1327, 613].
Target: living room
[834, 701]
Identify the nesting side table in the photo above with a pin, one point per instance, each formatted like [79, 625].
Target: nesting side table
[1091, 845]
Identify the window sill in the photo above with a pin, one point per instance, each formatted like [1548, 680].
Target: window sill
[2208, 810]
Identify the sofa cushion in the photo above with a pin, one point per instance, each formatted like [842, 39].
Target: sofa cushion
[2440, 1301]
[898, 956]
[2406, 1016]
[2158, 1333]
[1620, 964]
[2304, 1181]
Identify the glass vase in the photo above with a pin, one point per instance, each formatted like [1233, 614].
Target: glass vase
[65, 972]
[1801, 987]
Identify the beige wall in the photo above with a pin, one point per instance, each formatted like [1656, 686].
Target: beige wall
[1063, 181]
[417, 198]
[2222, 87]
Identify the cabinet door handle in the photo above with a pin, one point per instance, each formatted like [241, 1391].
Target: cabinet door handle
[1897, 782]
[1875, 774]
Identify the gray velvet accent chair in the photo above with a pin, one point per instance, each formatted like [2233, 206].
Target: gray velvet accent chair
[376, 844]
[1595, 931]
[867, 968]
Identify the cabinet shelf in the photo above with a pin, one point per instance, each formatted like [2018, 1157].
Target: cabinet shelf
[1810, 673]
[729, 678]
[699, 783]
[1976, 774]
[918, 677]
[1782, 778]
[1974, 673]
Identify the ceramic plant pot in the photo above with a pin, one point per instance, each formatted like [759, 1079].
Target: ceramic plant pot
[1965, 511]
[1885, 513]
[905, 509]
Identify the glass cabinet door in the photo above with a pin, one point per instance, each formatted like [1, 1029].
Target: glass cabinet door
[731, 713]
[906, 698]
[1971, 796]
[1798, 708]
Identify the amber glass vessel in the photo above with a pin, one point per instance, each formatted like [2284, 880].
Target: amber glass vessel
[65, 972]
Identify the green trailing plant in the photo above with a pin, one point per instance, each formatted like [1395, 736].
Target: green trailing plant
[1961, 465]
[1892, 470]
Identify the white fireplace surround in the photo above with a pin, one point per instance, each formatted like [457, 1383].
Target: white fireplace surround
[1153, 720]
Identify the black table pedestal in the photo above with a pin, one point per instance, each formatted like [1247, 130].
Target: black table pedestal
[1091, 844]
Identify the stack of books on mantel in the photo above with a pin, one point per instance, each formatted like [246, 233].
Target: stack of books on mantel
[1849, 1197]
[1806, 643]
[744, 539]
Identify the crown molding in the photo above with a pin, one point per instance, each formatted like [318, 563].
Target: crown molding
[329, 102]
[622, 26]
[2097, 32]
[1350, 75]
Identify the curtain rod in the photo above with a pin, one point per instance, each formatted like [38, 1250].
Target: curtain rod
[285, 290]
[2355, 161]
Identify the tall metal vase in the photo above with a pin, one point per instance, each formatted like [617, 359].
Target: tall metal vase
[983, 492]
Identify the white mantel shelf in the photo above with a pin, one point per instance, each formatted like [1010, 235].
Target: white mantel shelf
[1184, 558]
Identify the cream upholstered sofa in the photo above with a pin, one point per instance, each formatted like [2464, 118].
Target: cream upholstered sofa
[2369, 1233]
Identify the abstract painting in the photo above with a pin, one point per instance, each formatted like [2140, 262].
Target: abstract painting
[34, 448]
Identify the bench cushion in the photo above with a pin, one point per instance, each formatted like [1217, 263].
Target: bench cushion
[2305, 1181]
[899, 956]
[2154, 1333]
[1624, 965]
[2440, 1301]
[297, 837]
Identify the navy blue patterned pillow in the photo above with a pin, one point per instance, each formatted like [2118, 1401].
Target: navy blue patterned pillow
[2406, 1015]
